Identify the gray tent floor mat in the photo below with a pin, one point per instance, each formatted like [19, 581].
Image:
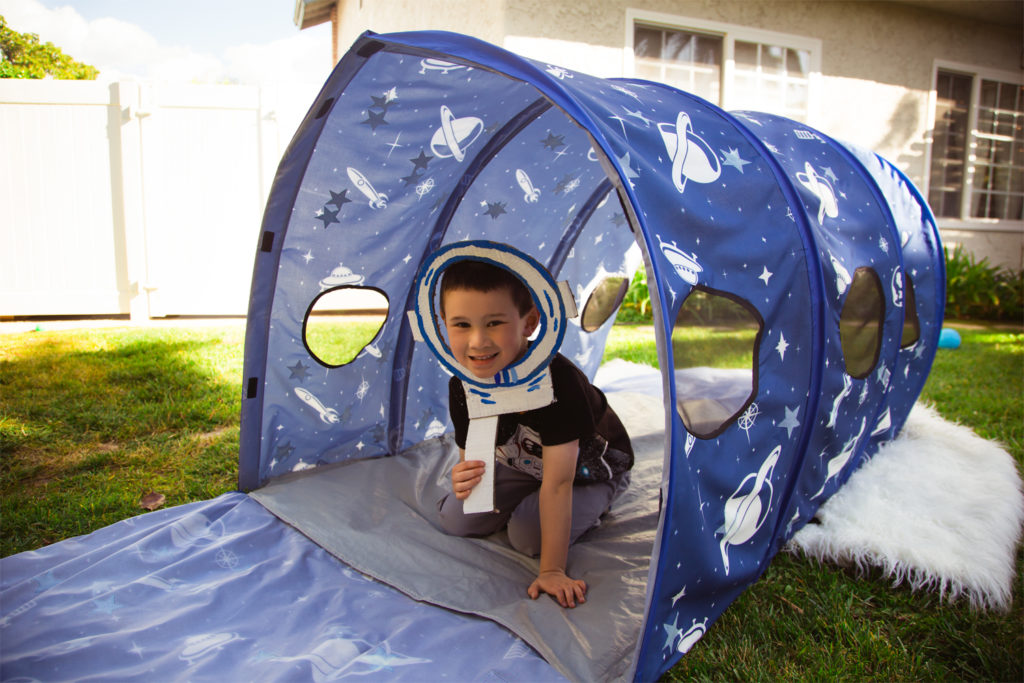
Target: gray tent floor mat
[380, 516]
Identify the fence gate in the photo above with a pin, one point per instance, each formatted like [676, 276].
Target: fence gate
[135, 199]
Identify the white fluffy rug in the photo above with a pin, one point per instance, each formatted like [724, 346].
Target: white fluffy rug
[939, 507]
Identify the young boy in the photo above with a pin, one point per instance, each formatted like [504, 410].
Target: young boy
[557, 468]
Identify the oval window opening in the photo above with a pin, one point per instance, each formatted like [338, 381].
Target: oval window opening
[603, 302]
[911, 323]
[343, 322]
[714, 346]
[860, 323]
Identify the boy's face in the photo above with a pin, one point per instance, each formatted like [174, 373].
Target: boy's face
[485, 330]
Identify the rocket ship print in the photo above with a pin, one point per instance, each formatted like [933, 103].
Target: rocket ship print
[378, 200]
[531, 193]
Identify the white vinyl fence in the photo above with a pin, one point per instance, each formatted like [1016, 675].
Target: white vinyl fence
[136, 199]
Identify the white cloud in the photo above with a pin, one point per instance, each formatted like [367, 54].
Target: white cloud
[122, 50]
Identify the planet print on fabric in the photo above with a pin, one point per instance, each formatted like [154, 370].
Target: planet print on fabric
[746, 511]
[455, 136]
[692, 157]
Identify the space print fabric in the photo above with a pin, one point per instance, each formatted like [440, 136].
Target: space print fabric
[421, 140]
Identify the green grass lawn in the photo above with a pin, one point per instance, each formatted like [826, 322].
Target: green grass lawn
[90, 421]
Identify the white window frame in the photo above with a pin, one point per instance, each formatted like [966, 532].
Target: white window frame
[729, 33]
[965, 221]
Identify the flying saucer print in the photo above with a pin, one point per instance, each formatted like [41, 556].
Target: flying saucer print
[820, 188]
[444, 67]
[685, 265]
[692, 157]
[341, 277]
[455, 135]
[692, 635]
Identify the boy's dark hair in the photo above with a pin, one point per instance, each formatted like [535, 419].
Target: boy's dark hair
[478, 276]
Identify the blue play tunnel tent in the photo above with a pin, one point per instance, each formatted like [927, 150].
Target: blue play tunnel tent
[826, 255]
[816, 265]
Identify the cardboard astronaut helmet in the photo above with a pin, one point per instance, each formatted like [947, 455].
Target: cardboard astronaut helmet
[523, 385]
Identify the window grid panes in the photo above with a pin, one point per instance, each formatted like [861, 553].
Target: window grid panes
[765, 77]
[998, 152]
[688, 61]
[771, 78]
[987, 160]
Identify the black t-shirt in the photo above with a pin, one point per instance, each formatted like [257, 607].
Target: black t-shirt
[580, 411]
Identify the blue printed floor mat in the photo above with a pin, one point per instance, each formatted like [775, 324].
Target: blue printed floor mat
[222, 590]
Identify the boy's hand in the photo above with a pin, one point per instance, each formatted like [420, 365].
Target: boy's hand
[556, 583]
[465, 476]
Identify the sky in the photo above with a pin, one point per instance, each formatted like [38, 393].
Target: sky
[194, 41]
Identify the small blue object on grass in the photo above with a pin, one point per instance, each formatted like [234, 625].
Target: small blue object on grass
[949, 338]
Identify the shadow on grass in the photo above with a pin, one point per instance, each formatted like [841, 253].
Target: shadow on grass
[90, 423]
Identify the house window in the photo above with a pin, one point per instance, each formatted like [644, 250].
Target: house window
[688, 61]
[733, 66]
[977, 154]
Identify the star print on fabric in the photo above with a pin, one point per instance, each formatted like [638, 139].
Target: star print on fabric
[328, 216]
[381, 102]
[285, 451]
[618, 219]
[375, 120]
[420, 162]
[830, 174]
[639, 116]
[672, 632]
[790, 423]
[299, 371]
[566, 184]
[412, 178]
[495, 209]
[338, 198]
[765, 275]
[782, 346]
[553, 141]
[624, 162]
[105, 605]
[732, 158]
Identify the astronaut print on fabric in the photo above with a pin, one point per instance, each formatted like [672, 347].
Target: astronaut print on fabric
[522, 452]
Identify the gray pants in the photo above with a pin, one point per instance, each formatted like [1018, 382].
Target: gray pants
[517, 503]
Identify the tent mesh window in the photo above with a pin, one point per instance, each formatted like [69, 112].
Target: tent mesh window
[860, 323]
[603, 302]
[911, 323]
[343, 322]
[715, 344]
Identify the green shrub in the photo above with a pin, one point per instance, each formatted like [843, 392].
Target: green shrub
[976, 289]
[636, 306]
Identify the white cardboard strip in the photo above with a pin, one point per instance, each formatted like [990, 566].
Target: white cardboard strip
[480, 446]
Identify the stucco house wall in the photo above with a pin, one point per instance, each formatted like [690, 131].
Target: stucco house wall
[877, 62]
